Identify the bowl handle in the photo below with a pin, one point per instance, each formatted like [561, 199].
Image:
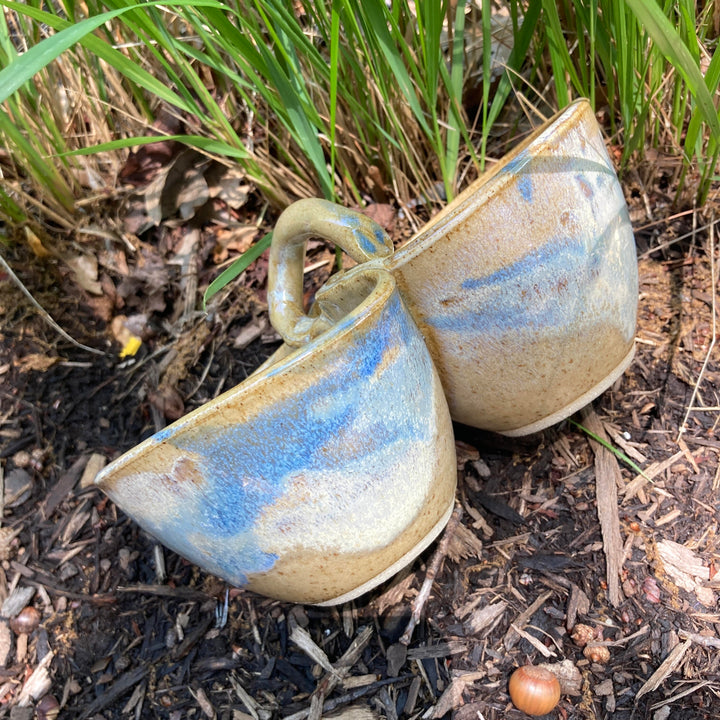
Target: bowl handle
[359, 236]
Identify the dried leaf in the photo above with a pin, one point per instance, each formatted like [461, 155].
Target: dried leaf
[383, 214]
[34, 361]
[229, 185]
[236, 240]
[35, 243]
[85, 269]
[193, 193]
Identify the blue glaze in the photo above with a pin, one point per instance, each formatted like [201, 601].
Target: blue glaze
[541, 289]
[375, 391]
[518, 163]
[369, 244]
[525, 187]
[163, 434]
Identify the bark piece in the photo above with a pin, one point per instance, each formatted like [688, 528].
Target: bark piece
[607, 479]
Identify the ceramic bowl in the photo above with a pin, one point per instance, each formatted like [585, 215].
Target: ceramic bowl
[319, 476]
[525, 287]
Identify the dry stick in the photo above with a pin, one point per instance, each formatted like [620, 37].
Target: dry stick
[673, 659]
[43, 312]
[714, 331]
[432, 571]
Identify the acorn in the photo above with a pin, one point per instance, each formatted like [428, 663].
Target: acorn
[534, 690]
[26, 621]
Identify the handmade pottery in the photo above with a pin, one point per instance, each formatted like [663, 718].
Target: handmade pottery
[323, 473]
[524, 287]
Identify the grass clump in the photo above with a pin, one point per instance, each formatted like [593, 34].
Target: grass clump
[339, 98]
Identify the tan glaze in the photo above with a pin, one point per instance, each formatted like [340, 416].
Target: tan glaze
[311, 575]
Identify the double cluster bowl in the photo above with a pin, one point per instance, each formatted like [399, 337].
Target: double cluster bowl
[333, 465]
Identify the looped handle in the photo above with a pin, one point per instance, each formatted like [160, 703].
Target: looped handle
[359, 236]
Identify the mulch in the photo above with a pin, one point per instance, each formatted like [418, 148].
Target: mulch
[130, 630]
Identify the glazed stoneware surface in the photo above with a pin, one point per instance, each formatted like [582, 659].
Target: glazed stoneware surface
[319, 476]
[525, 287]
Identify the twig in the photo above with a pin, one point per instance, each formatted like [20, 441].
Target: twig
[432, 571]
[711, 347]
[44, 313]
[709, 641]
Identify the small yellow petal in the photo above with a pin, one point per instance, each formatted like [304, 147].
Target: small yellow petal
[131, 346]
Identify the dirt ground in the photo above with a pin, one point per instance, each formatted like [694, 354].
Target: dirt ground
[130, 630]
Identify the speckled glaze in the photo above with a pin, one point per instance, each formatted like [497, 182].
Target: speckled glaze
[319, 476]
[525, 287]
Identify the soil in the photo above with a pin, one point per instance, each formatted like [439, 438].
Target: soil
[130, 630]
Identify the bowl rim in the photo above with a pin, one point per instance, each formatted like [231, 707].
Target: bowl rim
[490, 183]
[376, 299]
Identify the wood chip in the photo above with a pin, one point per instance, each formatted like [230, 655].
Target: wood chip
[571, 680]
[204, 703]
[486, 618]
[578, 604]
[632, 488]
[464, 544]
[354, 712]
[687, 570]
[607, 480]
[302, 639]
[511, 636]
[63, 486]
[537, 644]
[96, 462]
[16, 601]
[451, 699]
[38, 684]
[673, 659]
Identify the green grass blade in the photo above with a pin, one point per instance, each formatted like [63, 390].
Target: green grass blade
[239, 266]
[618, 453]
[209, 145]
[334, 72]
[22, 70]
[672, 47]
[521, 46]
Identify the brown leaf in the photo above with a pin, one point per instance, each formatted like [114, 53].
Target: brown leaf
[229, 185]
[235, 240]
[168, 402]
[383, 214]
[34, 361]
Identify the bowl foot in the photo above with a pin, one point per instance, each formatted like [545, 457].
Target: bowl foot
[574, 406]
[398, 565]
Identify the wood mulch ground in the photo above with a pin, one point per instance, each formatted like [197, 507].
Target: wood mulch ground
[130, 630]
